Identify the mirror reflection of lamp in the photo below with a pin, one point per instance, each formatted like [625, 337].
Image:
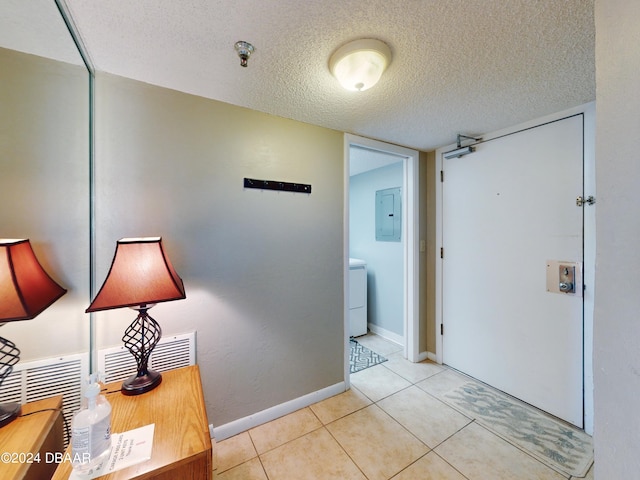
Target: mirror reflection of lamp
[141, 275]
[26, 290]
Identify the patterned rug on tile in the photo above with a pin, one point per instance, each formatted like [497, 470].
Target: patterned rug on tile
[361, 357]
[553, 442]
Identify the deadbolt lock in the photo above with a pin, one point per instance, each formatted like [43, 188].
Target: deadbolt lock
[567, 275]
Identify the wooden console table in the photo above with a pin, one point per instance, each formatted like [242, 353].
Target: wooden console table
[28, 443]
[181, 442]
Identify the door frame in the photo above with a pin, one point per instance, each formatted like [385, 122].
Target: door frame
[589, 188]
[410, 232]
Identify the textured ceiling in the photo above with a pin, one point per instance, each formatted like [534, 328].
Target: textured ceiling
[459, 66]
[36, 27]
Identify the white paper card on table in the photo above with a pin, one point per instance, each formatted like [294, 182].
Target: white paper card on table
[127, 448]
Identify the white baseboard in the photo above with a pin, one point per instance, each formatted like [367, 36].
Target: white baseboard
[395, 338]
[243, 424]
[422, 356]
[392, 337]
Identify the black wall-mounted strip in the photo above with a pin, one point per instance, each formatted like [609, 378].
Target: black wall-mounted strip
[275, 185]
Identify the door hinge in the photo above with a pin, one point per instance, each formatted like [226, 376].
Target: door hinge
[442, 329]
[441, 252]
[590, 200]
[441, 176]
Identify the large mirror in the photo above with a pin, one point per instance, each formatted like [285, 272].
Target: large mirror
[44, 168]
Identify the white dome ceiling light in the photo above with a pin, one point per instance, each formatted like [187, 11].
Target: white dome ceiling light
[358, 65]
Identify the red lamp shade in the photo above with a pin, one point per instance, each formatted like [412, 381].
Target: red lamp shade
[25, 288]
[140, 274]
[25, 291]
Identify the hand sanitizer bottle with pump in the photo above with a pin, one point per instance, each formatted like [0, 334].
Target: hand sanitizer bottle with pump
[91, 430]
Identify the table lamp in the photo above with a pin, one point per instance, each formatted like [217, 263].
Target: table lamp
[26, 290]
[140, 276]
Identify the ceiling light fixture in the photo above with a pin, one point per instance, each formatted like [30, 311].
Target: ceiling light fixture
[358, 65]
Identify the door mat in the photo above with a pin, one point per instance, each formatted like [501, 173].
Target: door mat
[361, 357]
[555, 443]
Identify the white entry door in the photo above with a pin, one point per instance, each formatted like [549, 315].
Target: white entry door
[508, 209]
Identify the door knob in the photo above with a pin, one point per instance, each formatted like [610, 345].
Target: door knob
[566, 287]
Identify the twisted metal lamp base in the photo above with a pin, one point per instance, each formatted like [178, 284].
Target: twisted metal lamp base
[9, 412]
[140, 338]
[9, 356]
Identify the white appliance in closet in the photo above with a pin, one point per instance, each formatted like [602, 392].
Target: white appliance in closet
[357, 297]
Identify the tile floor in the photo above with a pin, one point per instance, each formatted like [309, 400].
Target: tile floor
[389, 425]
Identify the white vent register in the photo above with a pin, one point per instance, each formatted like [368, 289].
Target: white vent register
[31, 381]
[175, 351]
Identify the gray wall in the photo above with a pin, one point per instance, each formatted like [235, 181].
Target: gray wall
[263, 270]
[617, 303]
[44, 191]
[385, 263]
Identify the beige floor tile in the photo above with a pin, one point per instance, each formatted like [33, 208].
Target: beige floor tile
[378, 382]
[443, 382]
[214, 454]
[340, 405]
[233, 451]
[590, 474]
[284, 429]
[378, 344]
[430, 467]
[414, 372]
[314, 456]
[480, 455]
[251, 470]
[390, 438]
[378, 444]
[423, 415]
